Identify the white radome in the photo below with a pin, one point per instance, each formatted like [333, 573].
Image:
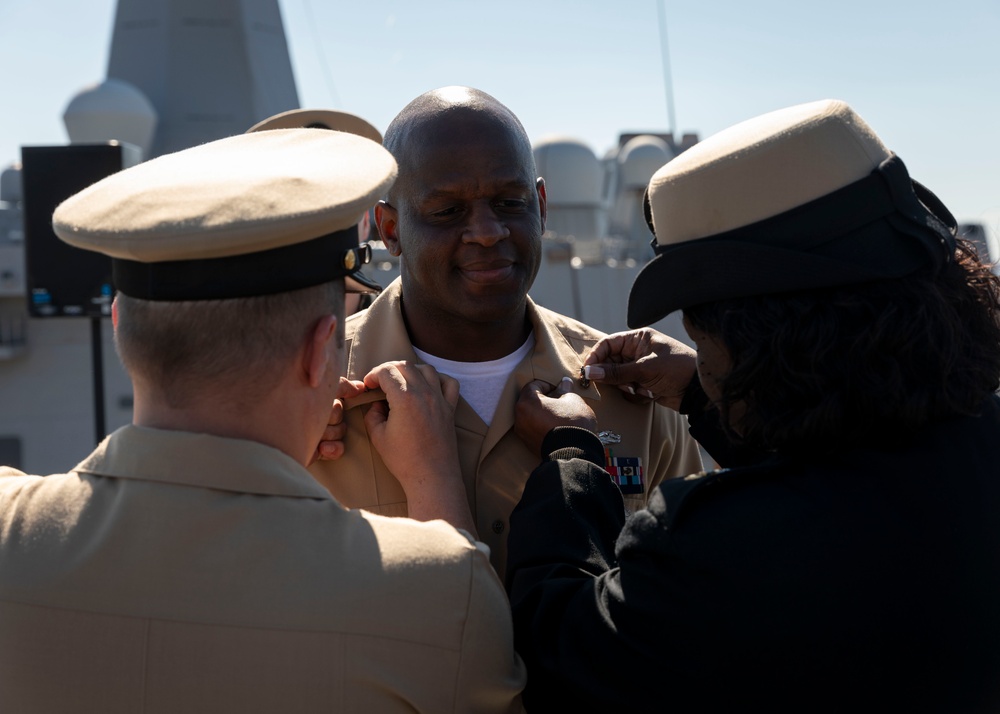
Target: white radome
[112, 110]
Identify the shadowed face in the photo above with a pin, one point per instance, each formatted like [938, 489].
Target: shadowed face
[714, 361]
[466, 216]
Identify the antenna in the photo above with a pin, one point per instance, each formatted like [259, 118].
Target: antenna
[331, 86]
[667, 81]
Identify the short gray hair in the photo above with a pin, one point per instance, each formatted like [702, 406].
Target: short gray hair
[236, 347]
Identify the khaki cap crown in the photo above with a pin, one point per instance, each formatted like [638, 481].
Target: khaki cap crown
[240, 196]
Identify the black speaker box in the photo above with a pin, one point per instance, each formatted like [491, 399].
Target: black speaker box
[64, 281]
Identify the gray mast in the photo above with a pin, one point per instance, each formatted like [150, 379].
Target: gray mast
[668, 83]
[211, 69]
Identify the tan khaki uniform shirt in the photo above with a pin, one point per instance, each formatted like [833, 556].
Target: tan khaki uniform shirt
[178, 572]
[495, 462]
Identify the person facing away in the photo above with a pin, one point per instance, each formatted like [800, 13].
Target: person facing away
[191, 563]
[848, 353]
[360, 288]
[466, 218]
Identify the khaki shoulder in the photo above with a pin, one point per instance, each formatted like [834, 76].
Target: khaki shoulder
[569, 326]
[579, 335]
[354, 322]
[403, 540]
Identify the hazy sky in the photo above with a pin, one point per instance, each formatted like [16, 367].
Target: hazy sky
[925, 75]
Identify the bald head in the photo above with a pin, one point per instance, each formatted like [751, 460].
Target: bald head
[450, 111]
[465, 217]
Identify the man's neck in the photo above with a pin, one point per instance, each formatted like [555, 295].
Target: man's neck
[462, 341]
[265, 425]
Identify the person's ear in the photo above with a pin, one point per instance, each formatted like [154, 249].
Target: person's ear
[114, 313]
[387, 220]
[319, 350]
[542, 200]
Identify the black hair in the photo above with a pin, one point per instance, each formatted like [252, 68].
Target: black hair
[814, 370]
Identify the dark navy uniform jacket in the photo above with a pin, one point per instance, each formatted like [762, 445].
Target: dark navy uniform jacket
[865, 581]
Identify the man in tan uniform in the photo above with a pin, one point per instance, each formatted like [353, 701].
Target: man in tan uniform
[190, 563]
[466, 218]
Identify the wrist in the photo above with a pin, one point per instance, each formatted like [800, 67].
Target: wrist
[572, 442]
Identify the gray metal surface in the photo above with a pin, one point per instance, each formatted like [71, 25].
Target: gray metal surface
[211, 69]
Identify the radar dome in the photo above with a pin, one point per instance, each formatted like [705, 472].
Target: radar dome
[10, 184]
[571, 171]
[640, 158]
[113, 110]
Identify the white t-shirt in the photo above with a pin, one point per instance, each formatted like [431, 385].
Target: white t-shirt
[480, 383]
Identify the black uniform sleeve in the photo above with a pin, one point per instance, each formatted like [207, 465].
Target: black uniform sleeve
[583, 645]
[615, 614]
[575, 519]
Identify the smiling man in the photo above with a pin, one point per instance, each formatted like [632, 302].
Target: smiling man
[466, 217]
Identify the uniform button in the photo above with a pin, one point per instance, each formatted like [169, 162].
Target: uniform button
[498, 527]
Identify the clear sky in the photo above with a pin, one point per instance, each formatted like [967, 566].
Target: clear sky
[925, 75]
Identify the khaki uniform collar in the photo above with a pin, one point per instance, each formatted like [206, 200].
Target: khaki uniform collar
[380, 336]
[201, 460]
[555, 356]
